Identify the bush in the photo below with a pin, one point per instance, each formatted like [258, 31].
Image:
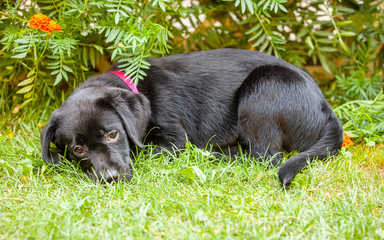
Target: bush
[345, 38]
[342, 37]
[364, 119]
[91, 31]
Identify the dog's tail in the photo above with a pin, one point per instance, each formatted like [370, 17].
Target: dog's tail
[329, 144]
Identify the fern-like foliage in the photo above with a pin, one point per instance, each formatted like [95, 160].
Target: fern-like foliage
[125, 30]
[344, 37]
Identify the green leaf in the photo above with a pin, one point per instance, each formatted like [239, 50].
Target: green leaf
[259, 41]
[25, 102]
[50, 92]
[369, 142]
[324, 40]
[112, 35]
[100, 49]
[26, 82]
[21, 55]
[328, 49]
[28, 95]
[188, 173]
[302, 33]
[282, 8]
[117, 18]
[344, 46]
[126, 8]
[249, 5]
[218, 191]
[200, 174]
[31, 73]
[114, 54]
[65, 75]
[324, 63]
[68, 69]
[142, 73]
[25, 89]
[348, 34]
[344, 23]
[253, 29]
[256, 35]
[55, 72]
[322, 33]
[308, 40]
[264, 46]
[162, 6]
[345, 9]
[85, 56]
[193, 172]
[92, 57]
[58, 79]
[23, 40]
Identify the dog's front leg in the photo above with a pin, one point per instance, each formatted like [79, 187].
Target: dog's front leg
[163, 139]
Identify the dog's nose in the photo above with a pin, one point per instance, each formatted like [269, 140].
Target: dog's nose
[111, 176]
[111, 179]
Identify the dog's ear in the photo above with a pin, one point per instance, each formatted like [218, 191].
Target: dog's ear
[48, 135]
[134, 110]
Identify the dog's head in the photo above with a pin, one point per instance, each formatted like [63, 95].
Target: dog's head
[97, 127]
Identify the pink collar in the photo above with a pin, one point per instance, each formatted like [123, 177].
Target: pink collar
[127, 81]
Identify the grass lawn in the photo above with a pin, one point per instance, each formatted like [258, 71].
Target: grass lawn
[189, 196]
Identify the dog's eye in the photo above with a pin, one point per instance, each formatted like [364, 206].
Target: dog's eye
[112, 135]
[79, 151]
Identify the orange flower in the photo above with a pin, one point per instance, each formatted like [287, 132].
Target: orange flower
[44, 23]
[347, 141]
[54, 26]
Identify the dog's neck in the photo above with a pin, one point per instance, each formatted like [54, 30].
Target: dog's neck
[127, 80]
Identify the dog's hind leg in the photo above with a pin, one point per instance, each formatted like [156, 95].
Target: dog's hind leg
[281, 109]
[259, 113]
[259, 138]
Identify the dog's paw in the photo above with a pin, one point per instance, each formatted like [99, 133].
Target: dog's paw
[155, 150]
[287, 173]
[219, 155]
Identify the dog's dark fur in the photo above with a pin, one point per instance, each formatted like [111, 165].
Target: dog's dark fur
[228, 98]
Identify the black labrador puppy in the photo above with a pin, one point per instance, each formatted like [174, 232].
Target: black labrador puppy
[231, 99]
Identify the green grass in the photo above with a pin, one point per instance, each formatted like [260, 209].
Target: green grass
[188, 196]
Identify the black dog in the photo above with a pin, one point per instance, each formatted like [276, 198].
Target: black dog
[227, 98]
